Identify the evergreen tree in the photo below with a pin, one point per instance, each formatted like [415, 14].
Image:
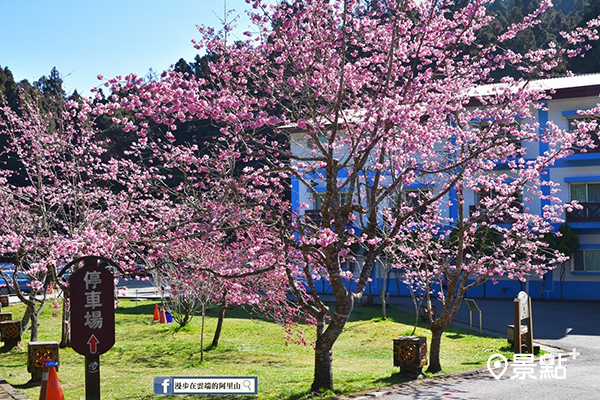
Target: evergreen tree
[183, 67]
[51, 86]
[8, 88]
[591, 62]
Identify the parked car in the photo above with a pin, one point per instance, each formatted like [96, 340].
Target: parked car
[6, 280]
[7, 267]
[140, 270]
[65, 274]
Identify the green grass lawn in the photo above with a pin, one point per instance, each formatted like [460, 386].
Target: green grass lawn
[249, 346]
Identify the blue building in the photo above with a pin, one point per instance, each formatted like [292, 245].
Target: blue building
[579, 178]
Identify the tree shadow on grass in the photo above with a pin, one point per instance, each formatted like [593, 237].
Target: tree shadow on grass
[8, 346]
[27, 385]
[141, 309]
[148, 361]
[471, 363]
[362, 313]
[456, 335]
[393, 379]
[457, 332]
[507, 348]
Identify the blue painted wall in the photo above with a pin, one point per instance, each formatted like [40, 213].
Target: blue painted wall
[571, 290]
[505, 289]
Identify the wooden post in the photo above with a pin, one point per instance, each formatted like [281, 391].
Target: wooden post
[92, 378]
[517, 325]
[522, 310]
[530, 348]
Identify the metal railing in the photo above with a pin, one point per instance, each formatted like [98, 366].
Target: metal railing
[589, 213]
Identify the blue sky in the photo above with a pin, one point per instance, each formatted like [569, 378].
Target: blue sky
[84, 38]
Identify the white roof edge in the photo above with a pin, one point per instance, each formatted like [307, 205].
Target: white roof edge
[563, 82]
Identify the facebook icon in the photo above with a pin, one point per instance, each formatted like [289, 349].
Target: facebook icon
[163, 385]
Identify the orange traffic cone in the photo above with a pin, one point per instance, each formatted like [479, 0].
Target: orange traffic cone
[163, 316]
[44, 386]
[50, 385]
[156, 313]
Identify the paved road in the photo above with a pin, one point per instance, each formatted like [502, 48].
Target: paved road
[137, 288]
[566, 325]
[126, 288]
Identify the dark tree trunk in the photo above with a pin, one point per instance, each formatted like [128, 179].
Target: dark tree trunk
[562, 279]
[187, 312]
[323, 378]
[31, 316]
[29, 311]
[65, 340]
[34, 327]
[219, 327]
[202, 333]
[434, 350]
[383, 299]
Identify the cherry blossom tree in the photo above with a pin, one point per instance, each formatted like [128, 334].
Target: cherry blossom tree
[185, 291]
[446, 257]
[355, 101]
[57, 194]
[209, 235]
[219, 269]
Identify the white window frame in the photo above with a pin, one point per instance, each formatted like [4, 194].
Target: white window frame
[573, 264]
[587, 191]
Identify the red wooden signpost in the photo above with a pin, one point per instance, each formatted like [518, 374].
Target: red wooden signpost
[92, 319]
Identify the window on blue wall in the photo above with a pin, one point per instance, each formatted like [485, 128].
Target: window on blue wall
[588, 196]
[572, 123]
[349, 265]
[318, 202]
[504, 130]
[411, 198]
[311, 143]
[585, 192]
[516, 204]
[342, 199]
[484, 194]
[586, 261]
